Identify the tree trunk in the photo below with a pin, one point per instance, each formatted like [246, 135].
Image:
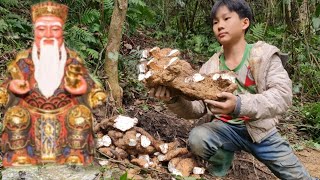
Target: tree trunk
[112, 52]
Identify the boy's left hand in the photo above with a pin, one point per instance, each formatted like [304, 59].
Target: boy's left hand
[222, 107]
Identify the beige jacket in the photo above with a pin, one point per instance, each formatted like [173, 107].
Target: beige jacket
[273, 98]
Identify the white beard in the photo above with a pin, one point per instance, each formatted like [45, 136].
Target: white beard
[49, 68]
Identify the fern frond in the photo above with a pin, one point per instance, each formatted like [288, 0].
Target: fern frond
[137, 2]
[3, 26]
[108, 4]
[93, 53]
[89, 16]
[4, 10]
[80, 34]
[257, 32]
[8, 3]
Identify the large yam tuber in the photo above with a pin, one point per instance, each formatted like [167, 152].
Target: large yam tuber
[166, 69]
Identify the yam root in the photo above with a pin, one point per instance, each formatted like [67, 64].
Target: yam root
[107, 122]
[165, 147]
[120, 143]
[156, 144]
[172, 166]
[107, 151]
[166, 69]
[120, 153]
[130, 138]
[116, 138]
[115, 134]
[185, 166]
[173, 153]
[134, 174]
[181, 166]
[142, 150]
[155, 162]
[140, 162]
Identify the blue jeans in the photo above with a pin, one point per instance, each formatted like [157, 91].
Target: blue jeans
[209, 138]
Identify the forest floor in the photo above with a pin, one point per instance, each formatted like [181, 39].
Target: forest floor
[163, 124]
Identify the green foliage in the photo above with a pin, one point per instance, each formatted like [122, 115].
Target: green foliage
[15, 29]
[139, 14]
[311, 112]
[257, 33]
[125, 177]
[313, 145]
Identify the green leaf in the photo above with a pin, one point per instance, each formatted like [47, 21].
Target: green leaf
[124, 176]
[93, 53]
[89, 16]
[256, 33]
[316, 23]
[3, 26]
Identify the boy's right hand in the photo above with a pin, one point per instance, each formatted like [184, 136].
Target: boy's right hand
[161, 92]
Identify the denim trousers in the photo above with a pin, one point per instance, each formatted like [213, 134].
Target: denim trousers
[207, 140]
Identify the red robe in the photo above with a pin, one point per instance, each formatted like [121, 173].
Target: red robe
[48, 135]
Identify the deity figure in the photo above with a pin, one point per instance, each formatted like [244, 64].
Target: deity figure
[48, 98]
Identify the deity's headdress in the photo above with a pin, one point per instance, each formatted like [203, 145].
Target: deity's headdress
[49, 8]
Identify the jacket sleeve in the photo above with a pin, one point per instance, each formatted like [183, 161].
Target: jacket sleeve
[275, 99]
[188, 109]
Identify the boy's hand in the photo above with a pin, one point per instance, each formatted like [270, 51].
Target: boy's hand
[161, 92]
[222, 107]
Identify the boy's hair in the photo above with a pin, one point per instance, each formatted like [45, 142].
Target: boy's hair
[241, 7]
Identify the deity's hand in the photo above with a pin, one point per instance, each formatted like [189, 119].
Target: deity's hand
[224, 106]
[4, 96]
[97, 97]
[19, 86]
[79, 89]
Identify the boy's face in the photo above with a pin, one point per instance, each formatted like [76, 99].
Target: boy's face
[228, 27]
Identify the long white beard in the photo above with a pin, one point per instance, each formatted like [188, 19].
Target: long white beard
[49, 68]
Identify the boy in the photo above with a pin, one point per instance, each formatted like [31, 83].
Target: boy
[245, 120]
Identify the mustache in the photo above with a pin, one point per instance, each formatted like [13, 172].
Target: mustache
[55, 41]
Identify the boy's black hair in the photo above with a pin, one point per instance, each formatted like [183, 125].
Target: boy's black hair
[241, 7]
